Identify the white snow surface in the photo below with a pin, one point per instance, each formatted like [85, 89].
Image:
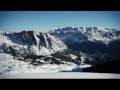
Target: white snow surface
[73, 56]
[8, 65]
[62, 75]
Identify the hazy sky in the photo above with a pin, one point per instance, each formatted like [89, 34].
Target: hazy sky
[47, 20]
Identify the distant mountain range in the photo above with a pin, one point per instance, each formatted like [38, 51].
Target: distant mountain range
[91, 40]
[80, 34]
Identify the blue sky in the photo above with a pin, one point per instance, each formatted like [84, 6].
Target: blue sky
[44, 21]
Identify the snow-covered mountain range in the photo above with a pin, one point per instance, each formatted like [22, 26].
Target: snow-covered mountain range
[30, 42]
[90, 40]
[80, 34]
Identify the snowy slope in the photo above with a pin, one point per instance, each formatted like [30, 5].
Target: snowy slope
[9, 65]
[30, 42]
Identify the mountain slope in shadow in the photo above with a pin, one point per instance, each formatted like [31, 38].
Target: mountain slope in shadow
[107, 67]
